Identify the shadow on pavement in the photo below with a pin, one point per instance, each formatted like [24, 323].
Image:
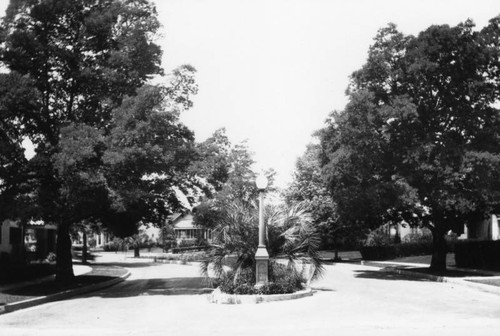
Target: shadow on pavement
[160, 286]
[126, 264]
[53, 287]
[322, 289]
[381, 275]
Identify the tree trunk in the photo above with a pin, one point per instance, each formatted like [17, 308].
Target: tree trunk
[397, 237]
[64, 263]
[84, 247]
[22, 254]
[136, 252]
[438, 262]
[337, 258]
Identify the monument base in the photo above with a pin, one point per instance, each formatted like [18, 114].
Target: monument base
[261, 267]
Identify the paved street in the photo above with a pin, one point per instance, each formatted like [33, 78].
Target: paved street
[351, 300]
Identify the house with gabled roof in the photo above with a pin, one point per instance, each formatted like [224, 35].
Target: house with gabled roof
[186, 231]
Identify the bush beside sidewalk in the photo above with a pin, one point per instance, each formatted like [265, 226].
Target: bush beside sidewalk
[28, 294]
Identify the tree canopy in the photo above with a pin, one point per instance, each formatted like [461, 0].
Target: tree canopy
[309, 188]
[419, 140]
[108, 147]
[229, 170]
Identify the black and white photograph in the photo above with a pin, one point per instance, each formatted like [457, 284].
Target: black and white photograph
[249, 167]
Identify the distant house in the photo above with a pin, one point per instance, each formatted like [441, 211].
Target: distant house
[488, 229]
[186, 231]
[37, 239]
[402, 230]
[101, 239]
[95, 240]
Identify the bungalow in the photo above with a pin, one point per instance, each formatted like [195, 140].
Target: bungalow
[185, 230]
[37, 239]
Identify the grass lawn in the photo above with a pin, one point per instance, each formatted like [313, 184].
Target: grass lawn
[426, 259]
[50, 286]
[15, 274]
[450, 262]
[450, 273]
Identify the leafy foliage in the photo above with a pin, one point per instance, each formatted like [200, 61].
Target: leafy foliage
[108, 148]
[419, 140]
[310, 188]
[228, 169]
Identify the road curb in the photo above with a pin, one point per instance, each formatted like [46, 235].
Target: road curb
[222, 298]
[436, 278]
[10, 307]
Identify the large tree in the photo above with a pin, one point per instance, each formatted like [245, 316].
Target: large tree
[309, 188]
[213, 161]
[98, 139]
[228, 168]
[419, 140]
[146, 159]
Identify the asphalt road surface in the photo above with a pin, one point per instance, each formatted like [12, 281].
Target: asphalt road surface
[351, 300]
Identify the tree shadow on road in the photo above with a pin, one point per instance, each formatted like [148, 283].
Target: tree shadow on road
[159, 286]
[127, 264]
[381, 275]
[50, 287]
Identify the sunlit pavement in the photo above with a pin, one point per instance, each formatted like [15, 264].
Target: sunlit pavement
[351, 300]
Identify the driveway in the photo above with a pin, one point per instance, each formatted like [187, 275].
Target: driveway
[351, 300]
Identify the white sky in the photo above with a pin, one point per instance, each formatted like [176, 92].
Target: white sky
[270, 71]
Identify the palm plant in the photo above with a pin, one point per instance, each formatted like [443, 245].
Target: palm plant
[290, 236]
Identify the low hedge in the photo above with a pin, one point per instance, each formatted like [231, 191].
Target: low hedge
[386, 252]
[189, 248]
[483, 254]
[184, 258]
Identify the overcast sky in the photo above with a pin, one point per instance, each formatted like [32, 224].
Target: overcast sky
[270, 71]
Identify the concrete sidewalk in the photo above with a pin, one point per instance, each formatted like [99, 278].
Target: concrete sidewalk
[487, 281]
[484, 280]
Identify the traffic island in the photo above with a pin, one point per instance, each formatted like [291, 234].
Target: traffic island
[217, 296]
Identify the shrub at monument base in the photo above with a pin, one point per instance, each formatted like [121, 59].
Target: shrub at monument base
[282, 280]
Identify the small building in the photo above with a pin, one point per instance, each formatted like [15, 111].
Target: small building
[185, 230]
[95, 240]
[37, 238]
[488, 229]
